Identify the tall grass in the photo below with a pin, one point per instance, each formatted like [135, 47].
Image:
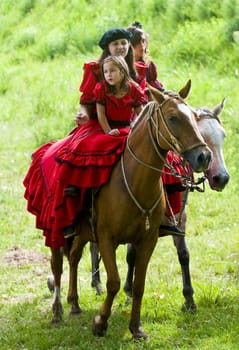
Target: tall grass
[44, 44]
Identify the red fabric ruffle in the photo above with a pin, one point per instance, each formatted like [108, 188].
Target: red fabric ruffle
[76, 160]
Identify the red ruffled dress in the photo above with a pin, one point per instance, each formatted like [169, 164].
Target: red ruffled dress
[84, 158]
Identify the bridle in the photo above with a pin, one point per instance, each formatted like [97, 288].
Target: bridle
[173, 144]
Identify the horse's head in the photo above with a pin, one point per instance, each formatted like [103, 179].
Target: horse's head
[213, 133]
[178, 129]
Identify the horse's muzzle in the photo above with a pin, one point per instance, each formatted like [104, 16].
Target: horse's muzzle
[217, 182]
[199, 158]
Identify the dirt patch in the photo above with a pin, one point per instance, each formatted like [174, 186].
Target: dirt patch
[17, 256]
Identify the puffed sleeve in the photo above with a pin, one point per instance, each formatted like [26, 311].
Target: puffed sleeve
[151, 77]
[138, 94]
[91, 76]
[141, 73]
[99, 93]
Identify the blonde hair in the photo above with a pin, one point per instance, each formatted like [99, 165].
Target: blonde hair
[120, 63]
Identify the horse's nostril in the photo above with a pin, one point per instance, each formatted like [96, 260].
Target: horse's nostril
[200, 158]
[221, 179]
[204, 158]
[216, 179]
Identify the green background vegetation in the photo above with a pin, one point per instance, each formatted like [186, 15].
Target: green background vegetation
[43, 45]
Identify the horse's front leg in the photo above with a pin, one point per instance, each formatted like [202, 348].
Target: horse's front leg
[130, 258]
[56, 267]
[100, 322]
[74, 256]
[143, 254]
[95, 264]
[184, 257]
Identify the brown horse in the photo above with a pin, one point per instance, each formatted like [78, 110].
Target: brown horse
[130, 207]
[217, 175]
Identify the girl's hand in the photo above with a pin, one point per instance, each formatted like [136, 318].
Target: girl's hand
[81, 118]
[113, 132]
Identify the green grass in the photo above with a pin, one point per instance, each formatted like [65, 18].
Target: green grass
[41, 59]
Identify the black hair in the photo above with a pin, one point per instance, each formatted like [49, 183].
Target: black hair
[137, 25]
[137, 34]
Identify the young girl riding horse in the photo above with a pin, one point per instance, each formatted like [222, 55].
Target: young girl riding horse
[85, 158]
[118, 100]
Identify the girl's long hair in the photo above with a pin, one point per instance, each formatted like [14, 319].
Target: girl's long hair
[137, 33]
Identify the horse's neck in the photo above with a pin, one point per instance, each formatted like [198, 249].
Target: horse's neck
[142, 164]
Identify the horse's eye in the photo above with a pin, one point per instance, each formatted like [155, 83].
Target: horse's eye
[173, 119]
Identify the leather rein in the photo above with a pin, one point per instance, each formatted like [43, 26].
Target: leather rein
[174, 145]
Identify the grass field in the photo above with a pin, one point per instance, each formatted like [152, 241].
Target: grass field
[39, 79]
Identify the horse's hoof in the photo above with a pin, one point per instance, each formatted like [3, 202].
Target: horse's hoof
[55, 321]
[138, 333]
[189, 307]
[75, 310]
[128, 291]
[98, 329]
[57, 312]
[98, 289]
[51, 283]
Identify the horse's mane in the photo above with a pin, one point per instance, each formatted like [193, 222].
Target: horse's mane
[141, 115]
[172, 93]
[169, 93]
[205, 111]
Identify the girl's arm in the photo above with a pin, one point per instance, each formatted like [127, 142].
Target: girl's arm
[83, 115]
[103, 120]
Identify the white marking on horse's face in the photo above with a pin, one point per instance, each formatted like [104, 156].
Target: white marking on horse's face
[212, 132]
[184, 109]
[214, 135]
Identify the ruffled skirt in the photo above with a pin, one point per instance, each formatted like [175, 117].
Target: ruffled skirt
[84, 159]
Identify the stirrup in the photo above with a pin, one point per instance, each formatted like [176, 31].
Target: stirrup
[69, 231]
[170, 230]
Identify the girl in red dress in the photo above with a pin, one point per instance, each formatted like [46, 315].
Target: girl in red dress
[115, 42]
[118, 100]
[85, 158]
[139, 41]
[116, 95]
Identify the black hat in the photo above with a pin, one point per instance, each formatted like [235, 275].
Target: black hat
[114, 34]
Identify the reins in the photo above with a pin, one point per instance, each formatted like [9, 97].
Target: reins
[174, 144]
[146, 212]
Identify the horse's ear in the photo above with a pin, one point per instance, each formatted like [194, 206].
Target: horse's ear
[185, 90]
[218, 109]
[155, 94]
